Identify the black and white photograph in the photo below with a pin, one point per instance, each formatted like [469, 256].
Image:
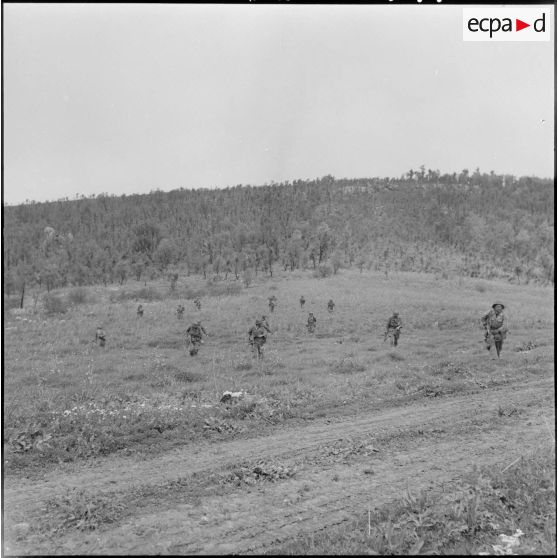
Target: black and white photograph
[278, 278]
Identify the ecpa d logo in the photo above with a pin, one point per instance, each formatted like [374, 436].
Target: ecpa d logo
[507, 24]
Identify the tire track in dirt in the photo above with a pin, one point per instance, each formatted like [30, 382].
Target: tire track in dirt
[125, 472]
[262, 514]
[252, 520]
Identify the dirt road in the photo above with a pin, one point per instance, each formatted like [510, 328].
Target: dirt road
[189, 501]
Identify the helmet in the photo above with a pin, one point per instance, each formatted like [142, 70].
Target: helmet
[258, 322]
[498, 303]
[396, 313]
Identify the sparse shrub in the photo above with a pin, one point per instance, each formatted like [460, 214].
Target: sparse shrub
[526, 346]
[323, 271]
[10, 302]
[187, 376]
[395, 356]
[241, 366]
[347, 365]
[77, 296]
[54, 304]
[145, 293]
[247, 277]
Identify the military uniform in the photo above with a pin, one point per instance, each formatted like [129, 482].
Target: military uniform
[258, 336]
[495, 324]
[302, 302]
[311, 323]
[140, 311]
[100, 337]
[194, 333]
[393, 328]
[197, 303]
[272, 304]
[180, 311]
[330, 306]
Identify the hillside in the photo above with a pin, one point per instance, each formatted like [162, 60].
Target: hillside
[477, 225]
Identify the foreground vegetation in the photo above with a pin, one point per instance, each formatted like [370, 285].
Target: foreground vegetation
[488, 512]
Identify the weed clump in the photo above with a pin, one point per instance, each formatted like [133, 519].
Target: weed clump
[54, 304]
[78, 296]
[82, 511]
[186, 376]
[347, 365]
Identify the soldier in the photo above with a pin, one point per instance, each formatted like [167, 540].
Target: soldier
[180, 312]
[257, 336]
[272, 300]
[311, 323]
[495, 324]
[302, 301]
[194, 337]
[140, 311]
[330, 306]
[100, 337]
[393, 329]
[197, 303]
[265, 322]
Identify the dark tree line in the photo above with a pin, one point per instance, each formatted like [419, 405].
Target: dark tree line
[474, 224]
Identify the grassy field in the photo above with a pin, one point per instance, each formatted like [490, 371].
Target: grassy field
[68, 401]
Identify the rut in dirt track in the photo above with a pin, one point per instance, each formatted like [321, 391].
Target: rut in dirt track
[249, 520]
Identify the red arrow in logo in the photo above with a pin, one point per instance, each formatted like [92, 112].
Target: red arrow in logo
[519, 25]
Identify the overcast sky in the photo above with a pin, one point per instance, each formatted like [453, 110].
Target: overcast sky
[129, 98]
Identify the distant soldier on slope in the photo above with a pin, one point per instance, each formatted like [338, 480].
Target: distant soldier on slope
[140, 311]
[197, 303]
[100, 337]
[330, 306]
[393, 329]
[311, 323]
[302, 301]
[272, 300]
[257, 336]
[194, 337]
[495, 325]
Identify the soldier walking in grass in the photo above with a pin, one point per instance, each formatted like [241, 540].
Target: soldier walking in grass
[197, 303]
[194, 337]
[257, 336]
[311, 323]
[302, 301]
[100, 337]
[265, 322]
[330, 306]
[272, 301]
[180, 312]
[393, 329]
[495, 325]
[140, 311]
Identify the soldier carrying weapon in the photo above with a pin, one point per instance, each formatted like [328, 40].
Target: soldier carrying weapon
[257, 336]
[495, 325]
[311, 323]
[393, 329]
[100, 336]
[194, 337]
